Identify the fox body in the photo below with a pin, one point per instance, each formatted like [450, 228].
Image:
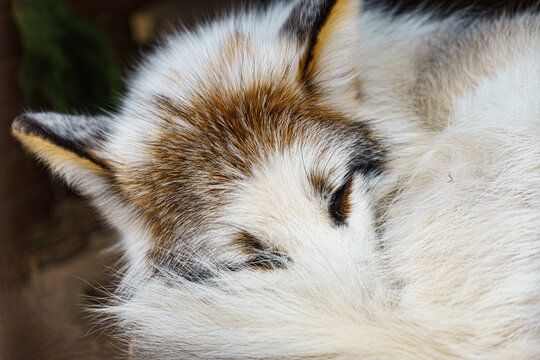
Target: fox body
[321, 179]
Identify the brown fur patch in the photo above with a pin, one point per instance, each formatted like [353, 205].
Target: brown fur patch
[320, 184]
[210, 144]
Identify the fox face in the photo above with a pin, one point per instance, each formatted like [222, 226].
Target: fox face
[224, 158]
[225, 167]
[248, 181]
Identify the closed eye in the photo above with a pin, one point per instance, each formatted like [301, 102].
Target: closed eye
[261, 256]
[340, 206]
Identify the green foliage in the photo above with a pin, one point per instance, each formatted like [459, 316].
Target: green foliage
[67, 64]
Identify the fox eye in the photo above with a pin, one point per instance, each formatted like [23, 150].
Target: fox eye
[339, 205]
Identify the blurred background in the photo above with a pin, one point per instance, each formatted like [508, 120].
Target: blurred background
[71, 56]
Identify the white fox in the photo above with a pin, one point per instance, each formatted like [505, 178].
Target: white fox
[321, 179]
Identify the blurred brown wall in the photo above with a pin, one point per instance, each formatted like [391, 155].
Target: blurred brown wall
[25, 191]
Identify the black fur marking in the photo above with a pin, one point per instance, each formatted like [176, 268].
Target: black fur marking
[339, 205]
[199, 272]
[264, 257]
[368, 155]
[307, 18]
[306, 21]
[268, 261]
[30, 126]
[445, 8]
[371, 166]
[188, 270]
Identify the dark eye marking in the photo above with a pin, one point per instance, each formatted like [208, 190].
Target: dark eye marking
[262, 257]
[340, 205]
[270, 261]
[190, 270]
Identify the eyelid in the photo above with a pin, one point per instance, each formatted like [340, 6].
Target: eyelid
[262, 257]
[339, 206]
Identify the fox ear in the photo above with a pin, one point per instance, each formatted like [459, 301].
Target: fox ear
[316, 23]
[71, 146]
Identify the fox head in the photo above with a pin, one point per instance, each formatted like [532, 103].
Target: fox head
[242, 198]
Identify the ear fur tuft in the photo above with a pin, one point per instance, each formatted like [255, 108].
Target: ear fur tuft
[314, 22]
[37, 136]
[68, 145]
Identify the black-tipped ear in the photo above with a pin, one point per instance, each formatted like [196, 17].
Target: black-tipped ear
[315, 22]
[76, 134]
[71, 146]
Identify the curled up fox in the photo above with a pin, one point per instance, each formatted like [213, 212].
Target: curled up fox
[321, 180]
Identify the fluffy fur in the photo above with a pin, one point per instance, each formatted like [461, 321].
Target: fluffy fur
[319, 180]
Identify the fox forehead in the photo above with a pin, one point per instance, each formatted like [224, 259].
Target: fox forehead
[238, 50]
[212, 107]
[218, 59]
[208, 146]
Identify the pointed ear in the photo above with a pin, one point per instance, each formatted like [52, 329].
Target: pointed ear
[71, 146]
[316, 24]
